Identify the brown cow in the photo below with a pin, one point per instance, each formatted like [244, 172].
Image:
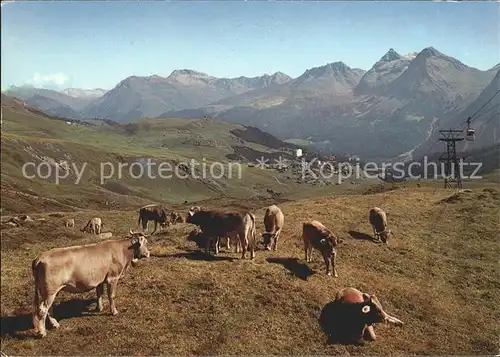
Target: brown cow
[378, 220]
[215, 225]
[349, 318]
[93, 226]
[79, 269]
[156, 213]
[316, 235]
[273, 222]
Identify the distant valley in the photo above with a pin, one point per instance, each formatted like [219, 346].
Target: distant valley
[394, 108]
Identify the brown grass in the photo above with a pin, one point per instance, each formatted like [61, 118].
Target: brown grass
[439, 274]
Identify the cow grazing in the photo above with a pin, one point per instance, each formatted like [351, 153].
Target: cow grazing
[273, 223]
[349, 318]
[69, 223]
[79, 269]
[93, 226]
[196, 235]
[156, 213]
[215, 225]
[316, 235]
[378, 220]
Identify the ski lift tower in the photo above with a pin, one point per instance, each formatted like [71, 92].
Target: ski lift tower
[453, 172]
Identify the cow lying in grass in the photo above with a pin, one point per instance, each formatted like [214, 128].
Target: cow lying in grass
[350, 317]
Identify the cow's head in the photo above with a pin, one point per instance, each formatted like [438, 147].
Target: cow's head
[384, 235]
[329, 243]
[192, 213]
[370, 311]
[139, 245]
[266, 237]
[196, 235]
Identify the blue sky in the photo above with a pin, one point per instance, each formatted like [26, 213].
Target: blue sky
[97, 44]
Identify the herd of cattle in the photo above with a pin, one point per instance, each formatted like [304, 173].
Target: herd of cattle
[348, 318]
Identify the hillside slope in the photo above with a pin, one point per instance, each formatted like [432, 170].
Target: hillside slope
[485, 120]
[99, 150]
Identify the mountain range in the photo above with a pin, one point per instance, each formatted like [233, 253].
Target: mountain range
[395, 107]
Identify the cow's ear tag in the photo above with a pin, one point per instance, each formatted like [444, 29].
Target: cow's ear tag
[365, 309]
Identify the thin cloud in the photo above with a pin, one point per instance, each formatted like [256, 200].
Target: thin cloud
[55, 79]
[3, 3]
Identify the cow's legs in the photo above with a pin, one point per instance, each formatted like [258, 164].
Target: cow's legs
[139, 221]
[208, 244]
[251, 245]
[327, 265]
[228, 243]
[309, 252]
[276, 236]
[144, 224]
[369, 333]
[156, 226]
[217, 242]
[43, 312]
[111, 286]
[99, 291]
[39, 318]
[333, 258]
[244, 243]
[52, 321]
[306, 250]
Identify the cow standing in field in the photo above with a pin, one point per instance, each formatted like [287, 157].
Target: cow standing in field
[273, 222]
[316, 235]
[349, 318]
[93, 226]
[79, 269]
[378, 220]
[69, 223]
[215, 225]
[156, 213]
